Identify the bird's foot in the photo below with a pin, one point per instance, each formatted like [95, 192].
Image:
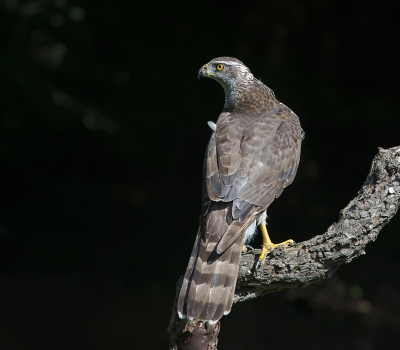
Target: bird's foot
[268, 247]
[246, 247]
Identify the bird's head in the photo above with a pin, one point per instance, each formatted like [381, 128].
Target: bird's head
[228, 71]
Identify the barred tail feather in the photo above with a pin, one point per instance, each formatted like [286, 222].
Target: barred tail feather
[210, 279]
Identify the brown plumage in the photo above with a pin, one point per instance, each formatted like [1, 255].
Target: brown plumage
[252, 155]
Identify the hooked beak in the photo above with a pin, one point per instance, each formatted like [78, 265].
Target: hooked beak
[203, 72]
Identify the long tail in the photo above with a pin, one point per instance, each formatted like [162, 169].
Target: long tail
[210, 279]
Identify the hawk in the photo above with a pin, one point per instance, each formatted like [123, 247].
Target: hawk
[252, 155]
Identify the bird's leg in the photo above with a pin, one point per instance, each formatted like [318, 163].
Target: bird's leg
[267, 245]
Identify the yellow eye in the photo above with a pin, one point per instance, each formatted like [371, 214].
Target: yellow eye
[220, 67]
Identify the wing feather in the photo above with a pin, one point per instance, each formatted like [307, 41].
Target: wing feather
[269, 152]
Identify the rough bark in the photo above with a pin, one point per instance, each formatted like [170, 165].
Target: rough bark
[310, 261]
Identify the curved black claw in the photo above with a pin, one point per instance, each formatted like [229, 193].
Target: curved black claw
[257, 265]
[248, 246]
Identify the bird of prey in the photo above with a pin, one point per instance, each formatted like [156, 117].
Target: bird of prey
[252, 155]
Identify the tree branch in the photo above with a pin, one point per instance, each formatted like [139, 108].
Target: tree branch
[310, 261]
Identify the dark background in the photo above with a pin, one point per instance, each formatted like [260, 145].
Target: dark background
[102, 135]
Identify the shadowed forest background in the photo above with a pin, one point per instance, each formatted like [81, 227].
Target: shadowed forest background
[103, 127]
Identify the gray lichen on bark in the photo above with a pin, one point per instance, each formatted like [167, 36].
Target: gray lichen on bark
[314, 260]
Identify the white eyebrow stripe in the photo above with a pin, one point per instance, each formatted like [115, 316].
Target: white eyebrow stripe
[230, 63]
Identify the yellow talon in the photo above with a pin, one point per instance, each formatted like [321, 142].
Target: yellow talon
[267, 245]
